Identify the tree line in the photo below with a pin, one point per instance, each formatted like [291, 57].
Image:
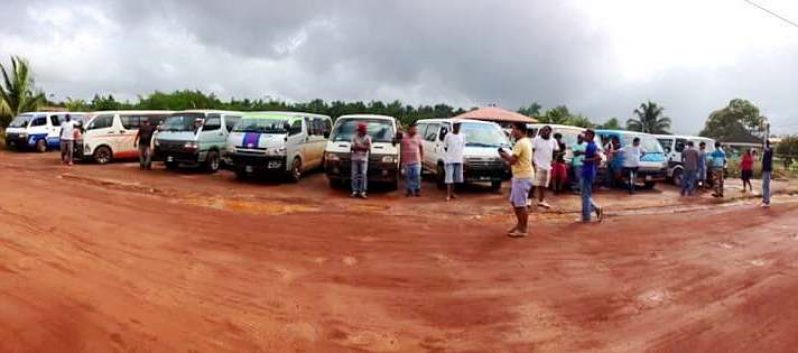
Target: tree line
[739, 121]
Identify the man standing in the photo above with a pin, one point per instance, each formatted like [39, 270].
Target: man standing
[67, 140]
[690, 162]
[412, 155]
[631, 162]
[767, 173]
[590, 164]
[701, 175]
[521, 165]
[143, 141]
[579, 155]
[543, 148]
[717, 164]
[361, 146]
[454, 147]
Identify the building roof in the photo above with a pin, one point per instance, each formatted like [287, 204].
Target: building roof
[497, 115]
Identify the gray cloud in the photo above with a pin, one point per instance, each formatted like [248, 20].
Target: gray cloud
[467, 53]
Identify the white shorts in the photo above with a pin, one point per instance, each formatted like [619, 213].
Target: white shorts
[542, 178]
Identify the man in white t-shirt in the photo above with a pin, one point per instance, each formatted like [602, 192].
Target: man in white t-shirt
[631, 161]
[454, 147]
[544, 147]
[67, 140]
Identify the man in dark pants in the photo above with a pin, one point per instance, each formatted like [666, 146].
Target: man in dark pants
[144, 140]
[767, 173]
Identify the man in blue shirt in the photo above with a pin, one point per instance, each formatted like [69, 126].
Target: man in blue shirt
[717, 163]
[590, 163]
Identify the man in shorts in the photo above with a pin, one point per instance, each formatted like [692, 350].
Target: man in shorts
[454, 147]
[544, 148]
[67, 136]
[521, 165]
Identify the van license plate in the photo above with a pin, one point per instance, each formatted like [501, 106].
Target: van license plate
[648, 177]
[248, 169]
[170, 159]
[274, 164]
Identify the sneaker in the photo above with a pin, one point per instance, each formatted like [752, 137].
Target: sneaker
[355, 194]
[544, 204]
[516, 234]
[765, 205]
[363, 195]
[408, 193]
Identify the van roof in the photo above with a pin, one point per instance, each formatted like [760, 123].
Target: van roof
[688, 137]
[555, 126]
[451, 120]
[208, 111]
[275, 114]
[132, 112]
[367, 116]
[53, 113]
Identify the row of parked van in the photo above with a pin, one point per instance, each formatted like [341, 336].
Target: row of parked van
[292, 143]
[286, 144]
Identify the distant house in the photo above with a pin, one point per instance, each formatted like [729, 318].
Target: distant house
[498, 115]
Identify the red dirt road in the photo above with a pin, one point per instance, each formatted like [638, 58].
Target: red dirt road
[112, 259]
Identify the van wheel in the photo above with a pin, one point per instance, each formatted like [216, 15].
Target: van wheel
[495, 185]
[102, 155]
[212, 162]
[41, 146]
[678, 177]
[296, 170]
[441, 177]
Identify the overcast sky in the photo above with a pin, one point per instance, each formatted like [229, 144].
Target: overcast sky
[601, 58]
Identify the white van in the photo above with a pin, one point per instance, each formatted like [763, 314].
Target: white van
[38, 130]
[110, 135]
[483, 140]
[283, 143]
[674, 145]
[383, 164]
[195, 138]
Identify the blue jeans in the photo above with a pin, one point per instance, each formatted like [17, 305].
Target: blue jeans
[688, 182]
[578, 176]
[588, 205]
[413, 177]
[359, 176]
[766, 176]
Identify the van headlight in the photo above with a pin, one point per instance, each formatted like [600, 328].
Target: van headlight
[388, 159]
[23, 135]
[192, 145]
[332, 157]
[275, 151]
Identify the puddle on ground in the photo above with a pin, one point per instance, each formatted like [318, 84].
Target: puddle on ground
[251, 207]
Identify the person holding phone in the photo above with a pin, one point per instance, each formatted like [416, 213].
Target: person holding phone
[520, 161]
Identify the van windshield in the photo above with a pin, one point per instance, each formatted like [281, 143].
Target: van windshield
[21, 121]
[484, 135]
[182, 121]
[379, 130]
[648, 143]
[268, 126]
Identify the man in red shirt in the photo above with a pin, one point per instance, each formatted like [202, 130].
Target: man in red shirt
[412, 155]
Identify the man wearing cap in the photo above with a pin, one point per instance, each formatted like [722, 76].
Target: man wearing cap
[361, 145]
[144, 140]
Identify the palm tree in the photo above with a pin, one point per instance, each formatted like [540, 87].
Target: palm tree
[16, 89]
[650, 119]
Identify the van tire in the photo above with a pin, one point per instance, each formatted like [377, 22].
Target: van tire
[495, 185]
[41, 146]
[440, 176]
[295, 174]
[103, 155]
[212, 162]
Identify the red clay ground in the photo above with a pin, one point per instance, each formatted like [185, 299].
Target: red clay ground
[112, 259]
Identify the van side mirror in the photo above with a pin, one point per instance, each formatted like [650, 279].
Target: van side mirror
[287, 127]
[667, 150]
[397, 138]
[444, 131]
